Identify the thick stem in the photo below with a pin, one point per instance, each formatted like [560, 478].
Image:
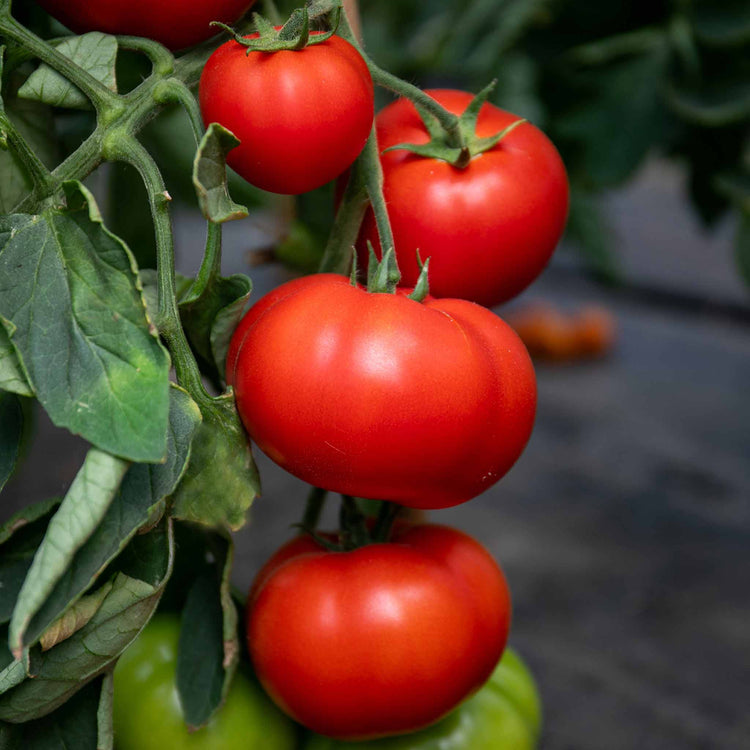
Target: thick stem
[372, 170]
[351, 211]
[40, 175]
[386, 516]
[314, 508]
[129, 150]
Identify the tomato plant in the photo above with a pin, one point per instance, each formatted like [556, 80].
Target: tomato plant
[380, 640]
[302, 115]
[174, 23]
[490, 227]
[147, 712]
[505, 714]
[380, 396]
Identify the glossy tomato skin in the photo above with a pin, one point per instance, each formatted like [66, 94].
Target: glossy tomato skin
[381, 640]
[174, 23]
[147, 712]
[302, 116]
[489, 229]
[378, 396]
[505, 714]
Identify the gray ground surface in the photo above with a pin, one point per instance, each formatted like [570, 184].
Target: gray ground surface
[624, 529]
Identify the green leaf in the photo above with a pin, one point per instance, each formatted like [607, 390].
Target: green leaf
[617, 117]
[221, 480]
[722, 23]
[140, 495]
[56, 675]
[75, 725]
[210, 176]
[96, 53]
[592, 235]
[12, 377]
[208, 649]
[210, 320]
[80, 512]
[11, 430]
[20, 536]
[104, 722]
[69, 288]
[74, 618]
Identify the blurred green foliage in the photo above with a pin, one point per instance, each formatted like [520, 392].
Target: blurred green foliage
[611, 83]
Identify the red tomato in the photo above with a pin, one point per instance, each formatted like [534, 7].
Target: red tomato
[302, 116]
[488, 229]
[376, 395]
[382, 640]
[174, 23]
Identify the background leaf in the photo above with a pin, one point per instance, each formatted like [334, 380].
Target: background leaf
[96, 53]
[138, 580]
[12, 377]
[79, 514]
[208, 648]
[221, 480]
[141, 493]
[70, 289]
[11, 430]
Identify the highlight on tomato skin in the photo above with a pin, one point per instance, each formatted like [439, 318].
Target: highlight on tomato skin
[175, 23]
[378, 396]
[490, 228]
[385, 639]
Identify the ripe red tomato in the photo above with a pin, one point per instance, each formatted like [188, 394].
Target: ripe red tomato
[302, 116]
[381, 640]
[488, 229]
[174, 23]
[376, 395]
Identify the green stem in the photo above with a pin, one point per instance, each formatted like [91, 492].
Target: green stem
[345, 230]
[211, 265]
[161, 58]
[175, 91]
[369, 161]
[40, 175]
[127, 149]
[386, 516]
[352, 524]
[315, 502]
[99, 95]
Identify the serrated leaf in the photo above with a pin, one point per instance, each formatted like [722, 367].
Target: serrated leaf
[12, 377]
[96, 53]
[74, 618]
[210, 176]
[56, 675]
[208, 648]
[70, 289]
[11, 430]
[142, 491]
[80, 512]
[221, 480]
[210, 320]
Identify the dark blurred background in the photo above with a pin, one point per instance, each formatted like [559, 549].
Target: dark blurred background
[624, 529]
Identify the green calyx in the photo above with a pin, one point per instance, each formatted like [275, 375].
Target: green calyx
[293, 35]
[461, 145]
[383, 275]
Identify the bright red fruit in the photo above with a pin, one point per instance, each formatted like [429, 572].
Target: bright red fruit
[174, 23]
[382, 640]
[376, 395]
[302, 116]
[488, 229]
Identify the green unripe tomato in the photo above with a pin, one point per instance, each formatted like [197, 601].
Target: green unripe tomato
[147, 712]
[504, 715]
